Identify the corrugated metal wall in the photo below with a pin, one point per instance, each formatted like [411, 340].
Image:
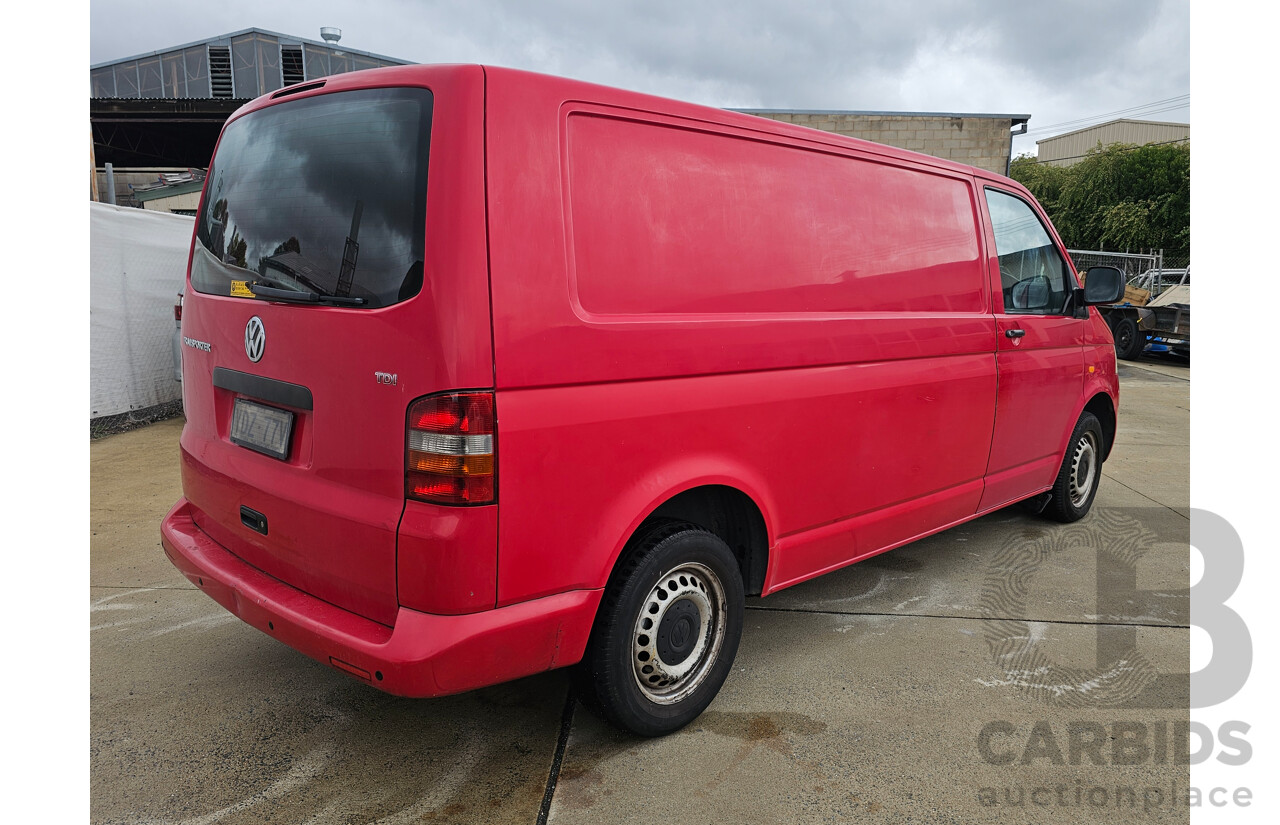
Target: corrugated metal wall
[1064, 150]
[186, 71]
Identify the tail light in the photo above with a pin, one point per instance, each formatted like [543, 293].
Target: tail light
[449, 455]
[177, 308]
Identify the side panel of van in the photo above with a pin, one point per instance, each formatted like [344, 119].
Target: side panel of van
[680, 301]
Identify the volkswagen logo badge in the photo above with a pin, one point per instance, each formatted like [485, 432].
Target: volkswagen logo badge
[255, 339]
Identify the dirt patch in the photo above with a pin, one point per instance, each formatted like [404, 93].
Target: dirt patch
[134, 478]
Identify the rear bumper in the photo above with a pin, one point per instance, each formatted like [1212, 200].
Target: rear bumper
[422, 655]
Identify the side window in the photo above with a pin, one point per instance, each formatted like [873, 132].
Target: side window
[1033, 276]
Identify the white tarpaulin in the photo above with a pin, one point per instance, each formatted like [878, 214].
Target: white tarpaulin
[137, 266]
[1173, 295]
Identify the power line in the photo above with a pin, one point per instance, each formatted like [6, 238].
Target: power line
[1178, 99]
[1059, 133]
[1179, 102]
[1141, 114]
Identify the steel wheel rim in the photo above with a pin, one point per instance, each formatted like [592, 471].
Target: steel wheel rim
[1124, 336]
[687, 587]
[1084, 468]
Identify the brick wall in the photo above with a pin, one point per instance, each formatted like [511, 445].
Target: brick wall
[975, 140]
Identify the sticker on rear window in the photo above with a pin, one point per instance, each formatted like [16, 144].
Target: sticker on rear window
[240, 289]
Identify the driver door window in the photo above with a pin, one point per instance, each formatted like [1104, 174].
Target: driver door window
[1033, 275]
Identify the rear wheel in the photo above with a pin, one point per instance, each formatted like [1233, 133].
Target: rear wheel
[1081, 471]
[1130, 342]
[667, 631]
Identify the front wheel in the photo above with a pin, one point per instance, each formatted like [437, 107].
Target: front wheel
[1080, 474]
[667, 631]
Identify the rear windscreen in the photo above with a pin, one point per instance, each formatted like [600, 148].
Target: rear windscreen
[324, 194]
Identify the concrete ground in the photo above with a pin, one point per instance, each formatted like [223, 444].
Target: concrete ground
[976, 676]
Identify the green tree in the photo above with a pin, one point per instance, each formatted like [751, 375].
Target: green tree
[1045, 181]
[291, 245]
[237, 248]
[1118, 197]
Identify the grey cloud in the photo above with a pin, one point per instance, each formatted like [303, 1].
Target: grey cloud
[1056, 61]
[806, 53]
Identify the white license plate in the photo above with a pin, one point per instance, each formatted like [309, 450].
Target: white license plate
[260, 428]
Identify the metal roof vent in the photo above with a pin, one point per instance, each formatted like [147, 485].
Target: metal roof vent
[330, 35]
[221, 84]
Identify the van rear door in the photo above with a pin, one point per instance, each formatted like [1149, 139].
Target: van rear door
[322, 300]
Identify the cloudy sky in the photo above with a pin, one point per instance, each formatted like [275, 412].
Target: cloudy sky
[1067, 64]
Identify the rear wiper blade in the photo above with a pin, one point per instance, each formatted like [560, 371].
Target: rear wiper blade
[316, 294]
[304, 297]
[292, 272]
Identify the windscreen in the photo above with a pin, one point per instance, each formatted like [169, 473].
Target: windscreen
[323, 195]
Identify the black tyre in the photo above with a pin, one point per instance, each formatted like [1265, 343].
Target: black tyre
[667, 630]
[1130, 342]
[1081, 471]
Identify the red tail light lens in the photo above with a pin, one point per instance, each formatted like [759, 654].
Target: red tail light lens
[450, 449]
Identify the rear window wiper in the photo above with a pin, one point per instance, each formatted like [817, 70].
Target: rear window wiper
[313, 294]
[292, 272]
[305, 297]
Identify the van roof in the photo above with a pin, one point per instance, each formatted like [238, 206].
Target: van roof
[576, 89]
[584, 90]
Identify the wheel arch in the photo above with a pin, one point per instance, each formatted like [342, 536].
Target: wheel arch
[1104, 410]
[722, 505]
[733, 516]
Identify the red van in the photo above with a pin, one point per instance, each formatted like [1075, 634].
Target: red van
[488, 373]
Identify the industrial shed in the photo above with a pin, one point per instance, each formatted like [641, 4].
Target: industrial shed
[1071, 147]
[160, 113]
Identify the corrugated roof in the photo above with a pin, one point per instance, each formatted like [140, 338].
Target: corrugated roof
[1112, 123]
[289, 37]
[183, 188]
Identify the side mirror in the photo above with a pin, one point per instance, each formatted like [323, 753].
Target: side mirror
[1103, 285]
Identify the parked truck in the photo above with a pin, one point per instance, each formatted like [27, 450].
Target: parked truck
[1163, 322]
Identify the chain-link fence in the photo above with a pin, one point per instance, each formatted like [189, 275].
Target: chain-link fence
[1154, 272]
